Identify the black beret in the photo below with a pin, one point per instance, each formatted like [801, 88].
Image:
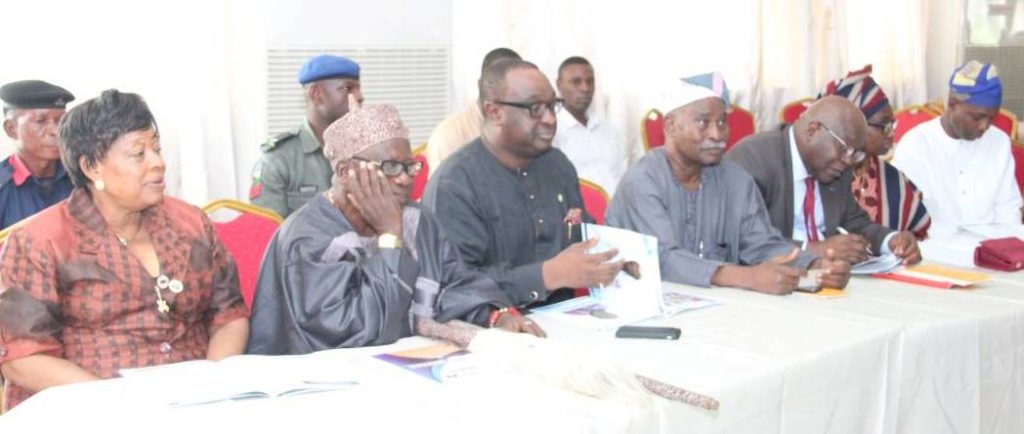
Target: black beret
[34, 94]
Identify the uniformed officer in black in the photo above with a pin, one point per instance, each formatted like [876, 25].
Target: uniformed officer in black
[32, 178]
[292, 168]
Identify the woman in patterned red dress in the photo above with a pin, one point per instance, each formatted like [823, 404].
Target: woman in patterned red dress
[116, 276]
[885, 194]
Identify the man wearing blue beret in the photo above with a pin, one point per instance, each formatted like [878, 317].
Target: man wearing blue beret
[292, 168]
[32, 178]
[961, 164]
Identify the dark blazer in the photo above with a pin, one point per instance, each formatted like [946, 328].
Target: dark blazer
[767, 158]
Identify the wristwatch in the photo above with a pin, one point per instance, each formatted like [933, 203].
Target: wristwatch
[388, 241]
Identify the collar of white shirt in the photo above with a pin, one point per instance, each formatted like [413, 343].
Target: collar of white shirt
[799, 170]
[568, 121]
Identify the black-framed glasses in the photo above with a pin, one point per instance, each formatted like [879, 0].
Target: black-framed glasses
[393, 168]
[536, 109]
[885, 128]
[846, 152]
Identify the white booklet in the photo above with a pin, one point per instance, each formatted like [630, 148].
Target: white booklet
[636, 293]
[241, 377]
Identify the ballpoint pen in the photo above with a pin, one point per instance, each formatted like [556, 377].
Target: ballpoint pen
[845, 232]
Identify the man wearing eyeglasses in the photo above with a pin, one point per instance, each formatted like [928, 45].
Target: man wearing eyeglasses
[292, 168]
[509, 200]
[361, 265]
[959, 161]
[803, 173]
[881, 190]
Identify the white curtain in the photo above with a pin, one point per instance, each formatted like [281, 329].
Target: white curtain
[770, 51]
[171, 53]
[201, 65]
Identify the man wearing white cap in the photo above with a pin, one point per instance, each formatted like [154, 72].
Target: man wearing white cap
[708, 215]
[360, 264]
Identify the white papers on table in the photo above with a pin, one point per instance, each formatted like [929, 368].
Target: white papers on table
[239, 377]
[628, 296]
[876, 264]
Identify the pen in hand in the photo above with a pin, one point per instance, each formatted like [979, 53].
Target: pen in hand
[843, 231]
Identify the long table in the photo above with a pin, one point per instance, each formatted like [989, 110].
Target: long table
[888, 358]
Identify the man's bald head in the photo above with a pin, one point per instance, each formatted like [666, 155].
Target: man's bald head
[830, 137]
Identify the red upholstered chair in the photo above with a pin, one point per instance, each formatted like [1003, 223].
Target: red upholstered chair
[934, 107]
[595, 200]
[1017, 150]
[652, 129]
[246, 236]
[1007, 122]
[908, 118]
[741, 124]
[420, 182]
[792, 111]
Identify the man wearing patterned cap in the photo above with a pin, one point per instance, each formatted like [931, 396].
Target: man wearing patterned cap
[292, 168]
[707, 214]
[803, 174]
[32, 178]
[961, 164]
[360, 261]
[881, 190]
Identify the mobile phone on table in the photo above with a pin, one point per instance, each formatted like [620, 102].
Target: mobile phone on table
[644, 332]
[809, 283]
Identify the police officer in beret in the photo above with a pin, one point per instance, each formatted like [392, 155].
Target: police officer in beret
[32, 178]
[292, 168]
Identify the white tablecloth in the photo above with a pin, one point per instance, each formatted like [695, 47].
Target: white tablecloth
[889, 358]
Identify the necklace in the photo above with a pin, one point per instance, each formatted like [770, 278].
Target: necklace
[124, 241]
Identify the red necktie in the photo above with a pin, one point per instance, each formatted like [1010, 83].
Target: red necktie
[809, 224]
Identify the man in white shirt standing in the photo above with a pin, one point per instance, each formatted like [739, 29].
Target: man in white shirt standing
[590, 142]
[961, 164]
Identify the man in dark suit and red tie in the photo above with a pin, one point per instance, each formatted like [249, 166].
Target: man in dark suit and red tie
[803, 173]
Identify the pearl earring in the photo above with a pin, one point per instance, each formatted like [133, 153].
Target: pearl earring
[100, 185]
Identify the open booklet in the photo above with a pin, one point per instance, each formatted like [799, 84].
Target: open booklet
[876, 264]
[636, 293]
[241, 377]
[438, 362]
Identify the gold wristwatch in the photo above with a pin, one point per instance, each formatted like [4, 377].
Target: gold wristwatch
[388, 241]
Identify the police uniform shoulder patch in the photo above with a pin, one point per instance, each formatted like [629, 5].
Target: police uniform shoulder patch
[272, 142]
[256, 188]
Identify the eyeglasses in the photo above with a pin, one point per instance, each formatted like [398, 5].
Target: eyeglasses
[886, 128]
[393, 168]
[536, 109]
[846, 152]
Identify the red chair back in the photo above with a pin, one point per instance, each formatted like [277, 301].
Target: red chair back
[419, 183]
[792, 111]
[1017, 150]
[595, 200]
[741, 124]
[908, 118]
[246, 236]
[1007, 122]
[652, 129]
